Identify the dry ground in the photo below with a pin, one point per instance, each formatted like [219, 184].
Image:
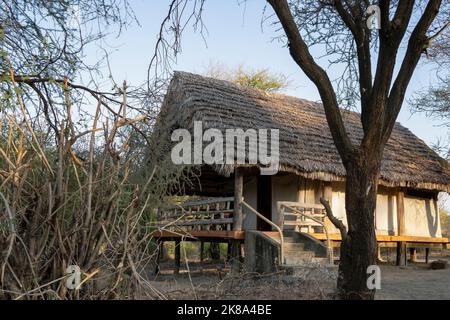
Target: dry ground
[210, 281]
[415, 282]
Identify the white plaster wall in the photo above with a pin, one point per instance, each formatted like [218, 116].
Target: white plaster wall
[249, 194]
[338, 201]
[421, 218]
[284, 188]
[386, 213]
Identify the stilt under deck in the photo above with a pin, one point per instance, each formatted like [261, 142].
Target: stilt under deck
[212, 221]
[221, 219]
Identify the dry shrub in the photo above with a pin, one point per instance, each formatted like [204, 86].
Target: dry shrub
[71, 197]
[312, 283]
[307, 283]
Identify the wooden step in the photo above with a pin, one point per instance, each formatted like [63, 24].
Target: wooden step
[294, 246]
[299, 270]
[298, 258]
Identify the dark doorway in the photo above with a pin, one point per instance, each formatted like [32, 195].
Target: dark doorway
[264, 202]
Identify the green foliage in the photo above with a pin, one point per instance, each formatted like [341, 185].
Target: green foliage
[191, 250]
[262, 79]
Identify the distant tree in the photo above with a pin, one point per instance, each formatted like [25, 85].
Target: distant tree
[445, 222]
[262, 79]
[434, 101]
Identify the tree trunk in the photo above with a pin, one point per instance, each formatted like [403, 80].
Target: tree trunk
[359, 248]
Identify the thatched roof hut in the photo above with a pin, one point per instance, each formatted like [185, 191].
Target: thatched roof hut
[306, 145]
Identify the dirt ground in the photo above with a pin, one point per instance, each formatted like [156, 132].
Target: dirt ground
[415, 282]
[212, 281]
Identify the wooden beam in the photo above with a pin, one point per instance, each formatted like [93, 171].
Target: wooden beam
[237, 219]
[235, 256]
[183, 223]
[195, 234]
[412, 254]
[228, 251]
[238, 191]
[416, 245]
[385, 238]
[240, 235]
[427, 254]
[328, 192]
[202, 250]
[400, 213]
[401, 254]
[177, 256]
[159, 255]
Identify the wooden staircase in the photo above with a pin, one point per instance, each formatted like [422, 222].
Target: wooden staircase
[301, 249]
[297, 220]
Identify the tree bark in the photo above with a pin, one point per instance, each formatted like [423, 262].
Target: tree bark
[359, 247]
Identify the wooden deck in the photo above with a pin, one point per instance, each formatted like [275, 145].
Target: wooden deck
[212, 220]
[220, 220]
[199, 235]
[391, 241]
[335, 237]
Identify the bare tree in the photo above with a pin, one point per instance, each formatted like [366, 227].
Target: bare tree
[381, 94]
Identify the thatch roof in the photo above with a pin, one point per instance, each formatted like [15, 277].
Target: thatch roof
[306, 145]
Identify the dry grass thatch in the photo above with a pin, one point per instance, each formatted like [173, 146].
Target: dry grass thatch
[306, 145]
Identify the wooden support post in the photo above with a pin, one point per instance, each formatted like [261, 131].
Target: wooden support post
[235, 257]
[427, 254]
[160, 245]
[177, 256]
[379, 257]
[162, 252]
[229, 251]
[401, 253]
[238, 190]
[412, 254]
[202, 251]
[328, 192]
[401, 246]
[328, 196]
[401, 213]
[237, 219]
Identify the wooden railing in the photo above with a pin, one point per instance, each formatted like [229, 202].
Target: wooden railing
[209, 214]
[280, 230]
[217, 214]
[304, 215]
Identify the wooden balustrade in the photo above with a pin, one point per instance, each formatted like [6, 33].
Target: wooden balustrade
[209, 214]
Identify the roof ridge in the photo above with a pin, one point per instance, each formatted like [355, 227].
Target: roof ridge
[179, 74]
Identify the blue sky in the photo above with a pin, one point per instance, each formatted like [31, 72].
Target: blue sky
[235, 36]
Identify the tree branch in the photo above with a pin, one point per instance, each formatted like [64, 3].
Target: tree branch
[97, 95]
[417, 43]
[336, 222]
[301, 55]
[362, 40]
[437, 34]
[390, 39]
